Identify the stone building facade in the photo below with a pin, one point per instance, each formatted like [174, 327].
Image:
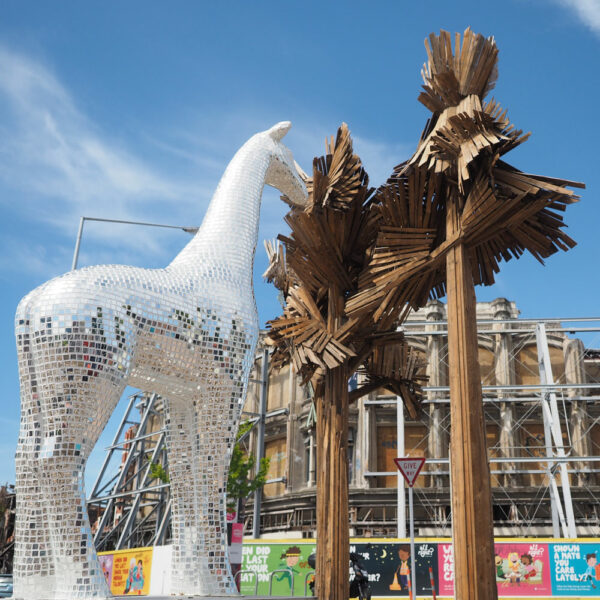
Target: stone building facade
[517, 435]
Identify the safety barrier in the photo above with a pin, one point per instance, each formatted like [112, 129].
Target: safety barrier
[291, 573]
[309, 574]
[237, 578]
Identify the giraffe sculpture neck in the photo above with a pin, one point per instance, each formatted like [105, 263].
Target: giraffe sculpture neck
[226, 241]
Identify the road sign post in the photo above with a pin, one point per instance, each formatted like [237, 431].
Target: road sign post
[410, 469]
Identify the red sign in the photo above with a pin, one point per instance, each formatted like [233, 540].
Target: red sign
[410, 468]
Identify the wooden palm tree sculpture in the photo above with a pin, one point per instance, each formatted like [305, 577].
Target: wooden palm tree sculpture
[450, 214]
[325, 253]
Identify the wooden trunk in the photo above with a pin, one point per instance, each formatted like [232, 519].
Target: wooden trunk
[472, 522]
[333, 543]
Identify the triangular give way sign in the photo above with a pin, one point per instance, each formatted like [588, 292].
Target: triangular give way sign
[410, 468]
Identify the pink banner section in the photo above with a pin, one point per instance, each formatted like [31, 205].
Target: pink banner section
[446, 569]
[522, 569]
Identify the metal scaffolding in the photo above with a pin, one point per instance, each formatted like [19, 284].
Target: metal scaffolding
[554, 460]
[130, 506]
[545, 462]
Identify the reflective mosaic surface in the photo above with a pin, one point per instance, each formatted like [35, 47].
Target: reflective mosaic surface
[187, 332]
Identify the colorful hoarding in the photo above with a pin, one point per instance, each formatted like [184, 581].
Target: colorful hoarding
[524, 568]
[130, 571]
[279, 568]
[575, 569]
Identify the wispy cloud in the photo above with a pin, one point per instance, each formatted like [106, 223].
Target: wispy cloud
[64, 166]
[18, 254]
[61, 165]
[588, 12]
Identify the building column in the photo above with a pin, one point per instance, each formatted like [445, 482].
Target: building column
[362, 439]
[573, 350]
[505, 375]
[295, 438]
[437, 372]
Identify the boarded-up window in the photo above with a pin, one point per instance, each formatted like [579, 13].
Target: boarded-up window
[279, 389]
[275, 451]
[492, 441]
[535, 445]
[387, 449]
[595, 449]
[487, 366]
[557, 359]
[526, 365]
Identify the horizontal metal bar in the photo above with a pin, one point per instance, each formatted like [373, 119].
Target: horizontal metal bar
[444, 332]
[277, 412]
[500, 460]
[492, 472]
[135, 439]
[146, 490]
[525, 386]
[186, 229]
[512, 399]
[511, 321]
[276, 480]
[508, 400]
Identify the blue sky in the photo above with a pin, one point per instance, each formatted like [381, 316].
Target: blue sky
[132, 111]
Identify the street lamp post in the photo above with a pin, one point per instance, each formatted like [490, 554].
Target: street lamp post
[190, 230]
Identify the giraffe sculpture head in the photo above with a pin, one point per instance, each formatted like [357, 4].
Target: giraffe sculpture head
[283, 172]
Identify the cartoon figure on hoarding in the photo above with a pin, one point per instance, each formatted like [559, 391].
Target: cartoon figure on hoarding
[292, 557]
[514, 568]
[402, 573]
[590, 572]
[106, 564]
[135, 577]
[499, 562]
[528, 566]
[519, 565]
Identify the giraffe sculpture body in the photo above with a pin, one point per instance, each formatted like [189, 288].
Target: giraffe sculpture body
[187, 332]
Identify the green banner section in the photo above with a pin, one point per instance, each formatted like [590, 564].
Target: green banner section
[279, 565]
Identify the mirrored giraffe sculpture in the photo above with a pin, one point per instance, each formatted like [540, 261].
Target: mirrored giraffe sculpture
[187, 332]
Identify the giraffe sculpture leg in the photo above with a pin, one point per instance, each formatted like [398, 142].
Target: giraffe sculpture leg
[219, 419]
[200, 435]
[33, 566]
[186, 569]
[66, 404]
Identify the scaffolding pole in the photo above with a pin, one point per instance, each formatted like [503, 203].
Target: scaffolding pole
[552, 424]
[401, 513]
[260, 445]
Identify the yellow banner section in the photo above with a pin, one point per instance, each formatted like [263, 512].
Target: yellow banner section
[129, 573]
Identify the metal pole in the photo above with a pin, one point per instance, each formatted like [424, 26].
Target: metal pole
[401, 510]
[112, 447]
[413, 568]
[311, 458]
[554, 498]
[550, 406]
[260, 444]
[77, 244]
[122, 474]
[190, 230]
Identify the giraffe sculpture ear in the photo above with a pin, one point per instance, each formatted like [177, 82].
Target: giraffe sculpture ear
[278, 131]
